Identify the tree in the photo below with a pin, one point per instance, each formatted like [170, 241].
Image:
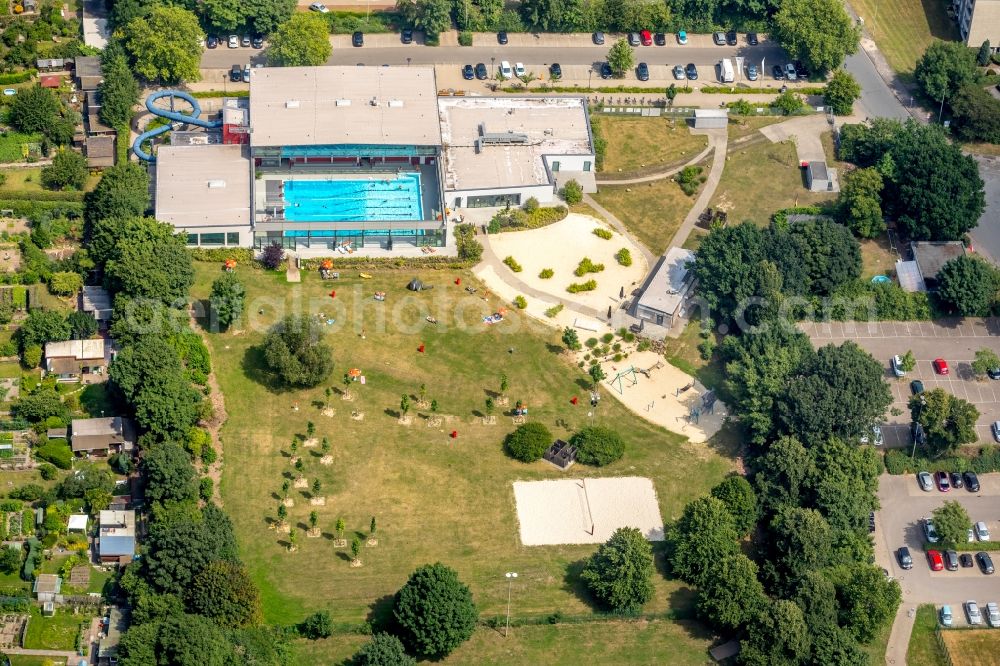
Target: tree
[313, 519]
[528, 442]
[597, 445]
[618, 574]
[404, 405]
[947, 420]
[371, 527]
[223, 16]
[570, 339]
[434, 611]
[224, 592]
[817, 32]
[316, 626]
[295, 352]
[967, 286]
[66, 284]
[34, 109]
[816, 595]
[909, 361]
[340, 528]
[944, 68]
[861, 202]
[356, 549]
[32, 356]
[154, 266]
[267, 16]
[777, 635]
[227, 299]
[788, 103]
[168, 472]
[840, 92]
[122, 193]
[621, 58]
[504, 385]
[175, 640]
[40, 405]
[282, 514]
[732, 595]
[737, 494]
[986, 359]
[41, 327]
[727, 264]
[82, 325]
[302, 41]
[431, 16]
[10, 559]
[572, 192]
[317, 486]
[952, 523]
[868, 602]
[119, 90]
[596, 373]
[68, 170]
[703, 536]
[797, 540]
[383, 650]
[165, 45]
[185, 543]
[983, 57]
[97, 500]
[976, 114]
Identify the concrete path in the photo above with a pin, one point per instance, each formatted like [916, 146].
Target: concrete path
[661, 175]
[805, 132]
[899, 637]
[717, 140]
[619, 227]
[58, 654]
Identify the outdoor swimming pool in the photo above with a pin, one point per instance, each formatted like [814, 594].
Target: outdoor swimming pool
[383, 197]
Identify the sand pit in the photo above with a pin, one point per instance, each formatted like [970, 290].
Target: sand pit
[585, 510]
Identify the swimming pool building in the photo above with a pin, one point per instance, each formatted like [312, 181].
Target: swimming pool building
[327, 158]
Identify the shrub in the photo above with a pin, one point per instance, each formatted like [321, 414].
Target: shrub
[572, 191]
[272, 256]
[624, 257]
[528, 442]
[521, 302]
[575, 288]
[317, 625]
[205, 488]
[598, 446]
[603, 233]
[465, 38]
[546, 273]
[47, 471]
[383, 650]
[513, 265]
[554, 310]
[530, 206]
[607, 338]
[468, 248]
[591, 342]
[32, 356]
[29, 492]
[689, 179]
[587, 266]
[434, 611]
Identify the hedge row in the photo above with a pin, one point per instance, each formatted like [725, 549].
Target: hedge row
[966, 547]
[242, 255]
[736, 90]
[210, 94]
[986, 460]
[30, 207]
[41, 195]
[17, 77]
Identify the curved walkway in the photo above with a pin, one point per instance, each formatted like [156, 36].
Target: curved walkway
[660, 175]
[718, 139]
[619, 227]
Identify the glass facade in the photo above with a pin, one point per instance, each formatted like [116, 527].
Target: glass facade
[494, 200]
[215, 239]
[356, 238]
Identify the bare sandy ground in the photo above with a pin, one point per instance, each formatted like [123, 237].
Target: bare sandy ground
[586, 510]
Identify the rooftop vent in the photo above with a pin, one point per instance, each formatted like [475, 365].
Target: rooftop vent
[343, 102]
[374, 101]
[292, 104]
[216, 184]
[395, 103]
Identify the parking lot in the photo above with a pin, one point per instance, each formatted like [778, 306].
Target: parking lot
[897, 524]
[954, 340]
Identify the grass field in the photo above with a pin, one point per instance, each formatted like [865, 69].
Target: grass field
[972, 647]
[740, 126]
[29, 660]
[31, 179]
[634, 643]
[903, 29]
[58, 632]
[435, 498]
[652, 211]
[761, 179]
[924, 649]
[640, 143]
[876, 257]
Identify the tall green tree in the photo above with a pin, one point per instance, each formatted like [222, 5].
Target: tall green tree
[797, 540]
[176, 640]
[224, 592]
[952, 523]
[948, 420]
[122, 192]
[168, 472]
[861, 202]
[227, 299]
[619, 573]
[732, 596]
[841, 91]
[976, 114]
[621, 58]
[985, 360]
[967, 286]
[266, 16]
[119, 89]
[34, 109]
[783, 476]
[727, 265]
[41, 327]
[944, 68]
[224, 16]
[817, 32]
[165, 45]
[983, 56]
[295, 352]
[701, 537]
[67, 171]
[302, 41]
[778, 635]
[157, 267]
[737, 494]
[434, 611]
[868, 602]
[185, 543]
[431, 16]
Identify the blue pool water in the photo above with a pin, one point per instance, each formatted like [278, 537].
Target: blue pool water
[380, 198]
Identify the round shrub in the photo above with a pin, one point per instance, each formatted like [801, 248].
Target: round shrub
[383, 650]
[434, 611]
[598, 446]
[528, 442]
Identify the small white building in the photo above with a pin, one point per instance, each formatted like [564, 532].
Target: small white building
[663, 295]
[78, 360]
[77, 523]
[821, 178]
[711, 118]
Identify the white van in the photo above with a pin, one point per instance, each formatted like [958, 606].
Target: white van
[726, 72]
[505, 69]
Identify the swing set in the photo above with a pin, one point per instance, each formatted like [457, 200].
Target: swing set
[624, 376]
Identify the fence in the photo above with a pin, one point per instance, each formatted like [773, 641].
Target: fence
[943, 647]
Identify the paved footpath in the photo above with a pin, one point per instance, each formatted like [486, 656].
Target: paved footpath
[899, 638]
[718, 140]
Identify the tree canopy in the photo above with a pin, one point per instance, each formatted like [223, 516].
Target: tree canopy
[732, 596]
[34, 109]
[383, 650]
[967, 286]
[777, 635]
[948, 421]
[741, 501]
[621, 57]
[225, 592]
[528, 442]
[122, 192]
[154, 264]
[619, 573]
[841, 91]
[176, 640]
[119, 89]
[597, 445]
[952, 524]
[227, 300]
[68, 170]
[295, 352]
[861, 202]
[302, 41]
[944, 68]
[434, 611]
[817, 32]
[701, 537]
[169, 474]
[165, 44]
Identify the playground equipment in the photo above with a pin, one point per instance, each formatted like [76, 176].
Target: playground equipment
[627, 375]
[177, 117]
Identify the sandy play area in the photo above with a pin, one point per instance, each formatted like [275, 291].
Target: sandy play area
[585, 510]
[561, 246]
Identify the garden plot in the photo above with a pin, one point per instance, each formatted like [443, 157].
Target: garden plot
[586, 510]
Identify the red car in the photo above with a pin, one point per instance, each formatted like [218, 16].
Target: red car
[941, 366]
[942, 481]
[934, 559]
[646, 38]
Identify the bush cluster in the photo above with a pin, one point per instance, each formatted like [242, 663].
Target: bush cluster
[598, 446]
[624, 257]
[521, 302]
[587, 266]
[528, 442]
[546, 273]
[577, 287]
[513, 265]
[600, 232]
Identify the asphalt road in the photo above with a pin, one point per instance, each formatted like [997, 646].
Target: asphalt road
[987, 235]
[877, 100]
[897, 524]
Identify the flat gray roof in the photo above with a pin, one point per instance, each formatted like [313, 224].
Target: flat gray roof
[667, 286]
[931, 256]
[553, 126]
[315, 106]
[202, 186]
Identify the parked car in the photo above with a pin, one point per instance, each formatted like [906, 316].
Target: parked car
[918, 434]
[519, 69]
[646, 37]
[778, 75]
[993, 614]
[502, 37]
[682, 37]
[800, 70]
[598, 38]
[904, 557]
[971, 481]
[982, 532]
[691, 71]
[871, 521]
[468, 73]
[555, 71]
[956, 480]
[752, 73]
[318, 7]
[942, 481]
[358, 39]
[951, 560]
[731, 38]
[505, 70]
[236, 73]
[925, 481]
[752, 38]
[972, 611]
[257, 42]
[660, 39]
[642, 72]
[996, 430]
[929, 531]
[934, 560]
[606, 70]
[233, 42]
[246, 74]
[790, 72]
[993, 373]
[896, 362]
[965, 559]
[406, 36]
[679, 72]
[245, 41]
[481, 72]
[719, 38]
[945, 616]
[941, 366]
[985, 562]
[212, 42]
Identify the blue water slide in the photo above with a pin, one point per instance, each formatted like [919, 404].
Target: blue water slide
[176, 116]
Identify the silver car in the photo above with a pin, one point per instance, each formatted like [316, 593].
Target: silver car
[982, 533]
[926, 481]
[993, 614]
[972, 610]
[790, 72]
[752, 73]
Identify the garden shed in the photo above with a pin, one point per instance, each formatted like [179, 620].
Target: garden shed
[711, 118]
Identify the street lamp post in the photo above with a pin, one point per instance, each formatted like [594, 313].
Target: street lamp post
[408, 59]
[511, 575]
[590, 76]
[493, 66]
[762, 61]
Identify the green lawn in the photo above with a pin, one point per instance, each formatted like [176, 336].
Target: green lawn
[924, 649]
[58, 632]
[903, 29]
[30, 178]
[29, 660]
[640, 144]
[652, 211]
[12, 146]
[435, 498]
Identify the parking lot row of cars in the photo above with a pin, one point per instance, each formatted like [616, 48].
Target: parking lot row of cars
[790, 72]
[949, 560]
[973, 614]
[235, 41]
